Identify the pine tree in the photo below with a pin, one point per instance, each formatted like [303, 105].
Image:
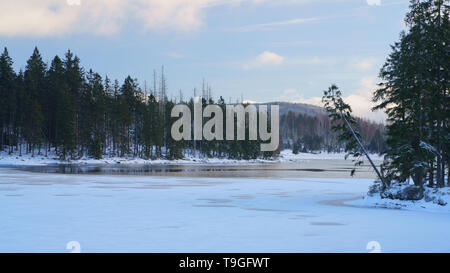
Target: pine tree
[414, 96]
[174, 148]
[8, 102]
[337, 109]
[34, 81]
[74, 75]
[95, 96]
[126, 115]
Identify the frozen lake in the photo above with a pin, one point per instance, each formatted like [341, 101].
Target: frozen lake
[321, 168]
[256, 208]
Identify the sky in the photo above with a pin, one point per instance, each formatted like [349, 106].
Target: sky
[284, 50]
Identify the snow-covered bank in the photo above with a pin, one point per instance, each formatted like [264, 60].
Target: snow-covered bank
[14, 160]
[430, 200]
[285, 156]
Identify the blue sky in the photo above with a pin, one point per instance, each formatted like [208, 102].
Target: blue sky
[266, 50]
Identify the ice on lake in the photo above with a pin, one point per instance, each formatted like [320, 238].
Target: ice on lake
[260, 208]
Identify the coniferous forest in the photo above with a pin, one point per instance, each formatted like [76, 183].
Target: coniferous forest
[62, 108]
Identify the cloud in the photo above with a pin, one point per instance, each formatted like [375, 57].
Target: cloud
[374, 2]
[271, 25]
[268, 57]
[178, 15]
[291, 94]
[361, 101]
[73, 2]
[106, 17]
[366, 64]
[291, 43]
[295, 95]
[52, 17]
[265, 58]
[175, 55]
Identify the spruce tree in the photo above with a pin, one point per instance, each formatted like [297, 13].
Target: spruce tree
[8, 103]
[414, 95]
[34, 81]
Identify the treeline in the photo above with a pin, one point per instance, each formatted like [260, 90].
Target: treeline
[306, 133]
[415, 95]
[63, 109]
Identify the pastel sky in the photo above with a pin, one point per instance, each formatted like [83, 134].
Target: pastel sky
[288, 50]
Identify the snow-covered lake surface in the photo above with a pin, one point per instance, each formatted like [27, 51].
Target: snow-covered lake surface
[283, 207]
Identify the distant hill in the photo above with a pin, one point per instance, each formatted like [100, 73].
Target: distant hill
[308, 109]
[296, 108]
[305, 127]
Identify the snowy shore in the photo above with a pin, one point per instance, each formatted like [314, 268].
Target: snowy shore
[436, 200]
[285, 156]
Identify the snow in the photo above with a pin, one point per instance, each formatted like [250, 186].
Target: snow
[285, 156]
[126, 213]
[26, 159]
[436, 200]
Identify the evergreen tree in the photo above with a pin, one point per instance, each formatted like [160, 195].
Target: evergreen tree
[337, 109]
[61, 111]
[74, 75]
[35, 103]
[96, 103]
[8, 102]
[414, 95]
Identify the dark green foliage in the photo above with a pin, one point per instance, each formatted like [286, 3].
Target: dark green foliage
[337, 109]
[8, 103]
[414, 95]
[174, 148]
[77, 113]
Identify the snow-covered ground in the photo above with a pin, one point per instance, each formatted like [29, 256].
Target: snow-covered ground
[43, 212]
[437, 200]
[285, 156]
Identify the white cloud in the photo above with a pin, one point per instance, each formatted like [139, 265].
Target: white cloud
[291, 43]
[265, 58]
[56, 17]
[106, 17]
[175, 55]
[295, 21]
[73, 2]
[175, 14]
[361, 101]
[295, 95]
[52, 17]
[365, 64]
[374, 2]
[268, 57]
[291, 94]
